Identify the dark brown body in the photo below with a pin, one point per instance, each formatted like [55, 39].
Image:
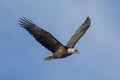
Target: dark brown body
[61, 53]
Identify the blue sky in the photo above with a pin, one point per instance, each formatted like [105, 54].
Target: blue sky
[21, 57]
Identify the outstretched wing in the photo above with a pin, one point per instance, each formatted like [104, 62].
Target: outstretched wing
[42, 36]
[79, 33]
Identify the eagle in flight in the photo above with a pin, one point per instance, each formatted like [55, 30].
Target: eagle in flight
[50, 42]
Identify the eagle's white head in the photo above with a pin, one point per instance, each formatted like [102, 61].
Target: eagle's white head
[72, 50]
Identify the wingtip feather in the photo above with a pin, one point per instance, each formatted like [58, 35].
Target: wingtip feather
[88, 20]
[24, 22]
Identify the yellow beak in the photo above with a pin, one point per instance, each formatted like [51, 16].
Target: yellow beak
[76, 52]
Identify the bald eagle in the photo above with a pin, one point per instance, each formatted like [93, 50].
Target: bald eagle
[50, 42]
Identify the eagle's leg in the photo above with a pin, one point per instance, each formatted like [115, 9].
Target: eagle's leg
[49, 58]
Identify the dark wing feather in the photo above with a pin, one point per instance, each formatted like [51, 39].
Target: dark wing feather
[42, 36]
[79, 33]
